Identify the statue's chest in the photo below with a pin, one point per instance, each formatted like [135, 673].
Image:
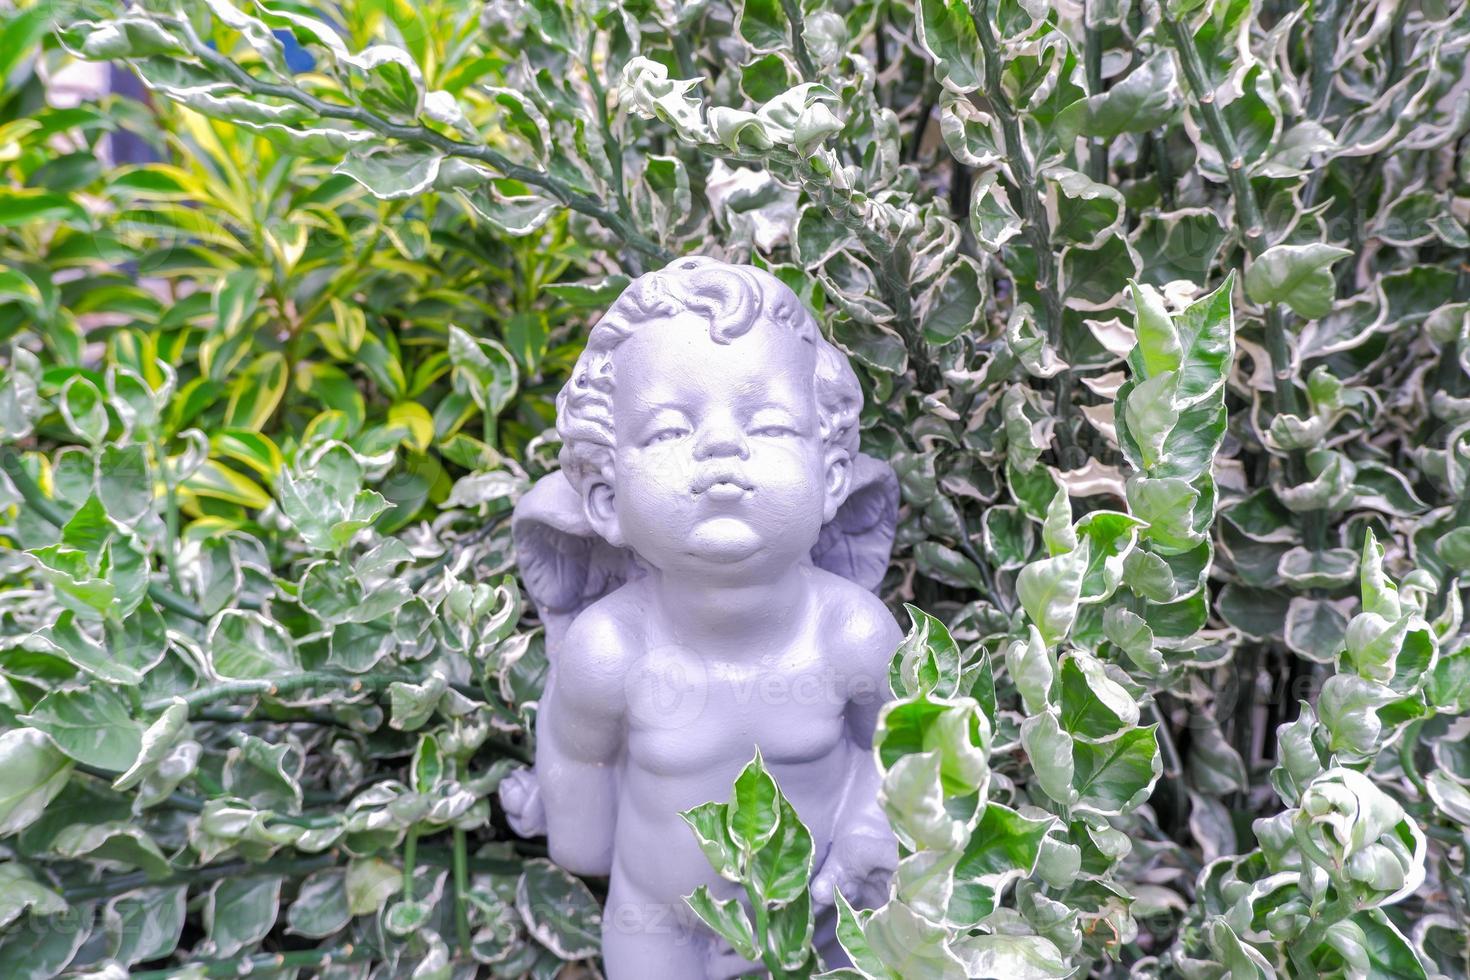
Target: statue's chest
[688, 715]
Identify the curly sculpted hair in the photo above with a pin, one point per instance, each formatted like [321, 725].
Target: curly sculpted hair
[732, 298]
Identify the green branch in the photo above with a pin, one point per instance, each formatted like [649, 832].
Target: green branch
[293, 866]
[611, 148]
[269, 964]
[798, 40]
[1284, 398]
[1036, 227]
[1097, 150]
[290, 683]
[555, 186]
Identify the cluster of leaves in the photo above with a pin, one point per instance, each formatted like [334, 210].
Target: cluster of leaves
[261, 666]
[1158, 309]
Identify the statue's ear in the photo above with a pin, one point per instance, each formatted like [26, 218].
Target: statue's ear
[857, 541]
[565, 564]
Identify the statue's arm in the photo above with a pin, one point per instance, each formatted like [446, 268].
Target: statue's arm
[864, 851]
[875, 636]
[579, 739]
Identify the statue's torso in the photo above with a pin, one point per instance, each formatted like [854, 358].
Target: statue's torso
[694, 721]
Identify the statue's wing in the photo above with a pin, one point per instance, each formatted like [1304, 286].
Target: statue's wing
[856, 543]
[566, 566]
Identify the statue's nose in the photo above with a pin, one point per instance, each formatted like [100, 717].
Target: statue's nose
[721, 437]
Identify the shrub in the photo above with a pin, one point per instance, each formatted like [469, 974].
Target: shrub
[1159, 312]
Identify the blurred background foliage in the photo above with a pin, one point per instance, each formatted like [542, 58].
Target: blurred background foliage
[1161, 312]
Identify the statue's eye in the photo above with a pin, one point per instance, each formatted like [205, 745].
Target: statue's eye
[774, 430]
[665, 435]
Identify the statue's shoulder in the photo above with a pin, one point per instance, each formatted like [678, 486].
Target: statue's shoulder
[856, 620]
[606, 636]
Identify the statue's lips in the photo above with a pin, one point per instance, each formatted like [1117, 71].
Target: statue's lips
[725, 490]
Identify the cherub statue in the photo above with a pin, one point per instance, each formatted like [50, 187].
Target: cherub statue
[703, 563]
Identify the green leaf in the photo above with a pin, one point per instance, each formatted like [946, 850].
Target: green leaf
[1387, 950]
[1004, 843]
[1012, 958]
[909, 945]
[506, 207]
[789, 930]
[993, 219]
[710, 823]
[783, 864]
[1050, 750]
[1142, 100]
[20, 892]
[155, 744]
[239, 912]
[1116, 776]
[84, 410]
[146, 924]
[854, 942]
[1086, 210]
[392, 173]
[1004, 847]
[1033, 669]
[559, 911]
[928, 660]
[913, 797]
[1050, 589]
[23, 206]
[726, 918]
[1206, 331]
[1093, 705]
[483, 370]
[955, 304]
[114, 841]
[256, 393]
[955, 729]
[762, 24]
[32, 772]
[1298, 275]
[392, 84]
[370, 882]
[1158, 348]
[320, 907]
[244, 645]
[754, 813]
[91, 725]
[948, 34]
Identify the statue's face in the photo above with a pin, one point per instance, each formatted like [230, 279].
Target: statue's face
[720, 465]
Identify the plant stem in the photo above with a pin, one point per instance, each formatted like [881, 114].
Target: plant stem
[461, 889]
[1173, 766]
[1408, 742]
[1252, 228]
[410, 859]
[1097, 150]
[1253, 231]
[315, 960]
[762, 925]
[798, 40]
[1324, 51]
[1036, 226]
[555, 186]
[292, 866]
[611, 148]
[289, 684]
[170, 514]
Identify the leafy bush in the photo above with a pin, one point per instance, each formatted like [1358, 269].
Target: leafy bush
[1160, 314]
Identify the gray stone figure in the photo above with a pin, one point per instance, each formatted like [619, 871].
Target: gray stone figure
[704, 565]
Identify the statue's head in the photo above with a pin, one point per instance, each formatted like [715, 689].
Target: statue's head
[708, 425]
